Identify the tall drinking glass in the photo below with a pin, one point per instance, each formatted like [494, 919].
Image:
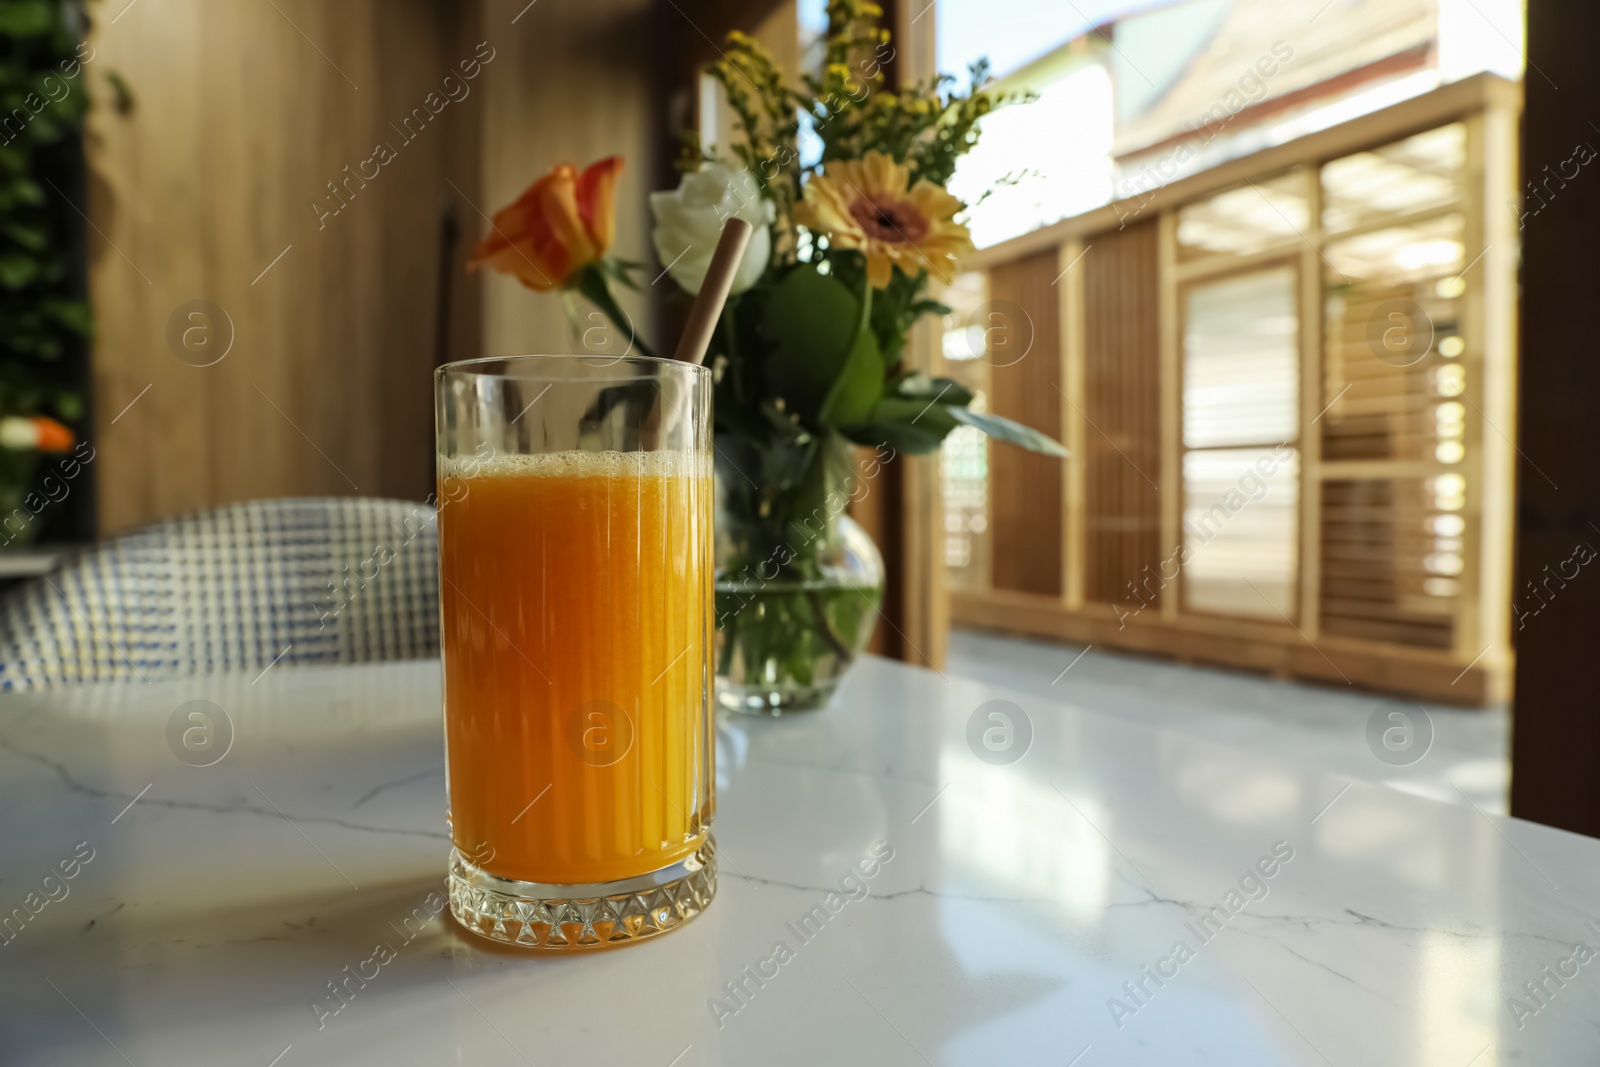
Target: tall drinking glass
[575, 588]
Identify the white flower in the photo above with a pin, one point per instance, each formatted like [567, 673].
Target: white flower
[689, 220]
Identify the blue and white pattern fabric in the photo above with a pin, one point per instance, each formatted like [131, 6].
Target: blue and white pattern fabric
[296, 581]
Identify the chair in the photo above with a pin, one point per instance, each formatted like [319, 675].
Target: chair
[242, 587]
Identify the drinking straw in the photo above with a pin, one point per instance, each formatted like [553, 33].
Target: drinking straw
[714, 291]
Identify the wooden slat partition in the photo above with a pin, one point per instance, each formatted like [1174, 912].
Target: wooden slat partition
[1403, 489]
[1372, 573]
[1122, 393]
[1024, 383]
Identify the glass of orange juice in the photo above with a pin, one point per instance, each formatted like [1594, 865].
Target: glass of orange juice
[575, 588]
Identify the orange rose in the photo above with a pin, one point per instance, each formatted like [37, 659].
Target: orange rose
[562, 223]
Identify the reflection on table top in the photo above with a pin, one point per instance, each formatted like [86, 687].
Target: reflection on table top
[1030, 910]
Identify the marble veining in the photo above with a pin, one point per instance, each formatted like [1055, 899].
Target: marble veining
[277, 907]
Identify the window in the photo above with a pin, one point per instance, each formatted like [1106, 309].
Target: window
[1282, 396]
[1241, 395]
[964, 462]
[1246, 220]
[964, 457]
[1409, 176]
[1395, 377]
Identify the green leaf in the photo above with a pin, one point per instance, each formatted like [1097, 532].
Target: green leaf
[944, 390]
[859, 386]
[26, 18]
[893, 346]
[17, 271]
[739, 420]
[27, 191]
[33, 238]
[622, 271]
[69, 406]
[908, 425]
[860, 383]
[45, 129]
[813, 322]
[73, 314]
[592, 283]
[929, 307]
[1003, 429]
[778, 421]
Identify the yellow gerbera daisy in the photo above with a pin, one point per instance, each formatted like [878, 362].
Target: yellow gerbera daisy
[869, 204]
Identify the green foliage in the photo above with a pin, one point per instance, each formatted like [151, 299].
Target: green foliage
[859, 386]
[809, 361]
[42, 101]
[766, 109]
[1003, 429]
[927, 126]
[813, 350]
[810, 323]
[895, 308]
[789, 629]
[918, 411]
[905, 424]
[826, 363]
[945, 390]
[594, 282]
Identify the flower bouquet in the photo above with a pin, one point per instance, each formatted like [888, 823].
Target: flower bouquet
[808, 356]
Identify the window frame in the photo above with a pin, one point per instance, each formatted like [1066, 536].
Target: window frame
[1282, 257]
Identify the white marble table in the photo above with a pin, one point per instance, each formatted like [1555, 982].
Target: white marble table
[210, 907]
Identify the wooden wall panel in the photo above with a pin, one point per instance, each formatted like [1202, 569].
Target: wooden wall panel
[204, 190]
[572, 84]
[243, 112]
[1122, 391]
[1024, 384]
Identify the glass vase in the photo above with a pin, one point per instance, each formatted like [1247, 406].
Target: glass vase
[798, 582]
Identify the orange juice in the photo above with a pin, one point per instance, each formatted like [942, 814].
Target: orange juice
[576, 599]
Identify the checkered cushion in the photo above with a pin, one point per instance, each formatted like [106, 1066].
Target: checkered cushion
[238, 588]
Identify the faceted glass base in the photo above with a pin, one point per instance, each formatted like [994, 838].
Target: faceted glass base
[567, 917]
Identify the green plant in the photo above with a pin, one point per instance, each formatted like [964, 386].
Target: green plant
[809, 355]
[816, 347]
[42, 102]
